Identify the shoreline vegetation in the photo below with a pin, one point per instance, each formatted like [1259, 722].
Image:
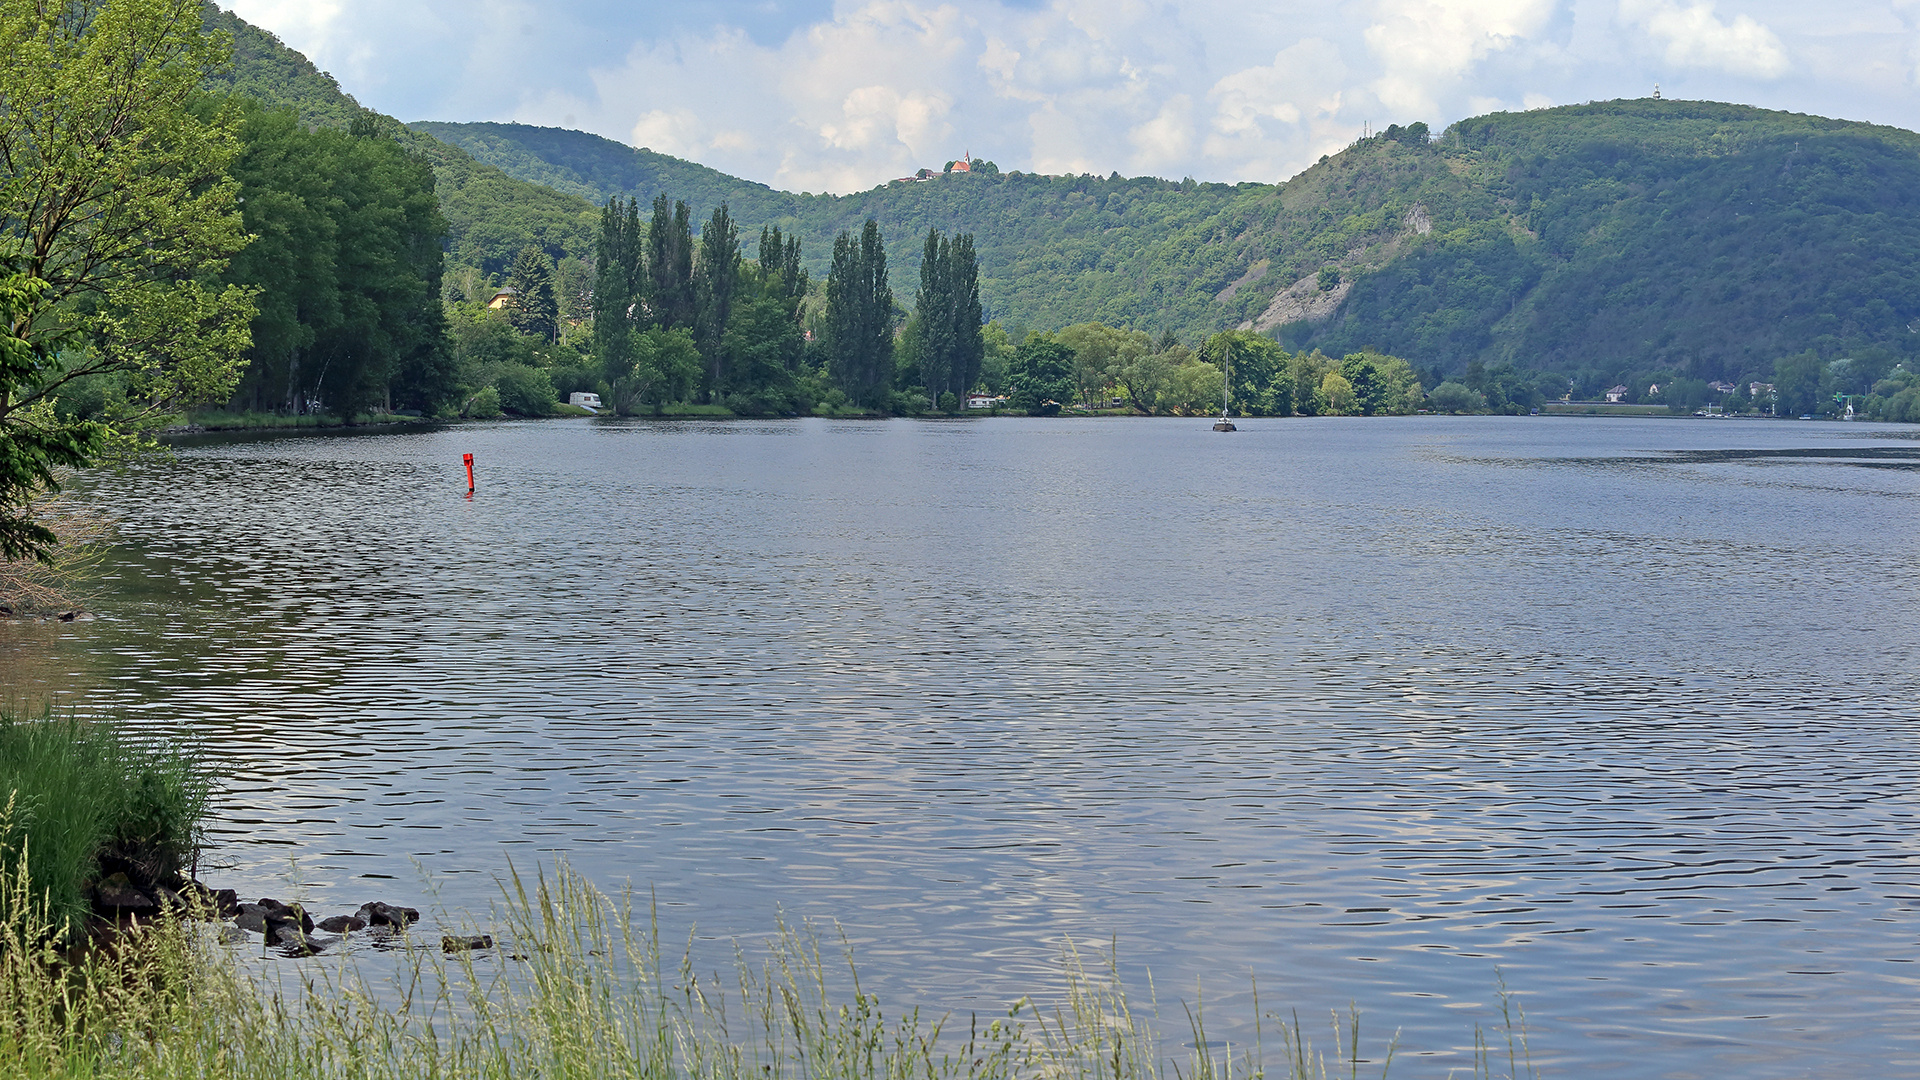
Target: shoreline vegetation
[562, 983]
[89, 815]
[573, 989]
[213, 423]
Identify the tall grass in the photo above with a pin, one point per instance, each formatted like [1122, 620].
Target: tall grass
[575, 993]
[74, 795]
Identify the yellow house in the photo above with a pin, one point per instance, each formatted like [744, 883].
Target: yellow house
[502, 299]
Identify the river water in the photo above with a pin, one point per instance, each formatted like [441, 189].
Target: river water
[1621, 712]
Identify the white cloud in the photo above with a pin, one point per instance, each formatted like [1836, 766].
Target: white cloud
[1694, 36]
[1429, 46]
[810, 99]
[1273, 116]
[1164, 140]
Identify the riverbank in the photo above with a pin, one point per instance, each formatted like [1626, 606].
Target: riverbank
[576, 988]
[93, 817]
[198, 422]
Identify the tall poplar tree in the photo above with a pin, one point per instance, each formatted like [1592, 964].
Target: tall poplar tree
[780, 268]
[618, 285]
[719, 275]
[969, 341]
[859, 323]
[947, 321]
[933, 307]
[670, 297]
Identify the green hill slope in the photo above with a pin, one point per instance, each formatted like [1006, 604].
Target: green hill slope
[492, 215]
[1693, 237]
[596, 168]
[1660, 235]
[1053, 250]
[1593, 241]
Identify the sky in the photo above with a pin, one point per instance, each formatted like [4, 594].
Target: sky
[841, 95]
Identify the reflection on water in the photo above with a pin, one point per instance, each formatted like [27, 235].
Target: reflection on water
[1367, 709]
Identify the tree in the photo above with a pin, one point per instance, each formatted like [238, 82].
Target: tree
[969, 342]
[930, 332]
[1098, 356]
[1193, 386]
[1796, 384]
[666, 364]
[1369, 392]
[1041, 376]
[1453, 397]
[536, 311]
[1339, 396]
[618, 285]
[859, 323]
[391, 337]
[781, 274]
[1258, 362]
[670, 294]
[1141, 371]
[947, 329]
[115, 209]
[719, 276]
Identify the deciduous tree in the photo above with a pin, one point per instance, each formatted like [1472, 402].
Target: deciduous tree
[115, 212]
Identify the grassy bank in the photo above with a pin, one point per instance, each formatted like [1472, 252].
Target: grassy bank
[80, 803]
[1583, 408]
[574, 992]
[221, 420]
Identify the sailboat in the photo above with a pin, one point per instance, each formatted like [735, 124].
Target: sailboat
[1224, 424]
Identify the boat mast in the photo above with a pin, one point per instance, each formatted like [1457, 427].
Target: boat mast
[1226, 387]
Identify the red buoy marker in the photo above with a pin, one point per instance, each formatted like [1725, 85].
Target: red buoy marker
[468, 458]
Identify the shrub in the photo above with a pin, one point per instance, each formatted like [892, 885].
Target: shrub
[78, 800]
[1455, 397]
[525, 391]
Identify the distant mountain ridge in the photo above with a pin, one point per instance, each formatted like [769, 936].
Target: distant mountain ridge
[1591, 240]
[597, 168]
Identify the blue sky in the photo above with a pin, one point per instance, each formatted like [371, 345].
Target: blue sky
[818, 95]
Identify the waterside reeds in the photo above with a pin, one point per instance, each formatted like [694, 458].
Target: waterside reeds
[82, 801]
[576, 991]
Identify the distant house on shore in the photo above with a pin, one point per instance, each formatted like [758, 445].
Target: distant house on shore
[1722, 387]
[984, 401]
[501, 299]
[1615, 395]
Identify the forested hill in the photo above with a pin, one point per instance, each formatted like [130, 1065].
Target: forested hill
[491, 215]
[1052, 250]
[1593, 241]
[595, 168]
[1602, 240]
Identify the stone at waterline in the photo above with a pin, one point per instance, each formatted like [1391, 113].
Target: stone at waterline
[117, 893]
[341, 924]
[378, 914]
[277, 911]
[221, 903]
[291, 941]
[452, 943]
[251, 917]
